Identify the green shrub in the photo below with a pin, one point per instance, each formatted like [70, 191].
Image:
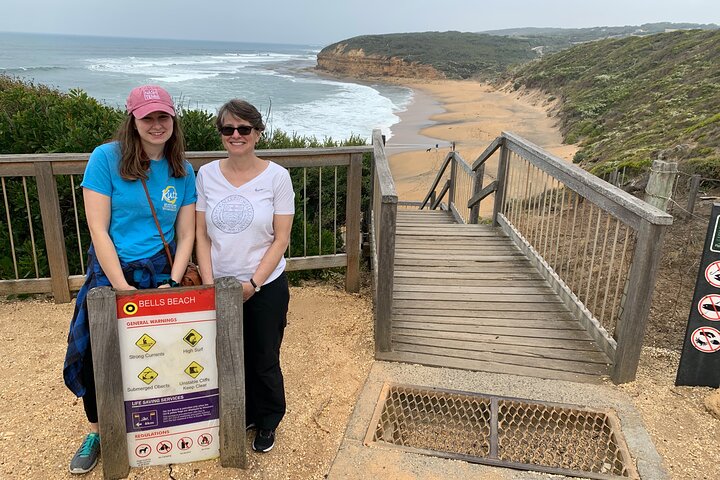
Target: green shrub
[38, 119]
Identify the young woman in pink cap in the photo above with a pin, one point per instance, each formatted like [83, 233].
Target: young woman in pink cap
[127, 251]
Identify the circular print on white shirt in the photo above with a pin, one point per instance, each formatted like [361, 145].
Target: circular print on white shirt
[232, 214]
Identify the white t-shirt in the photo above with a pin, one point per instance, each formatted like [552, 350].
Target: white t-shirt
[239, 220]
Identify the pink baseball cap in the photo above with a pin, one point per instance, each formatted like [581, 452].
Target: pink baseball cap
[147, 99]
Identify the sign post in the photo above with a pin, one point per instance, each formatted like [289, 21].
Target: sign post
[179, 394]
[700, 360]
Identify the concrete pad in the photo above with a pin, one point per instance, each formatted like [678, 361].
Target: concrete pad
[358, 462]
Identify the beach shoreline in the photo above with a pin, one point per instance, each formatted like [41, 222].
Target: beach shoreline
[465, 116]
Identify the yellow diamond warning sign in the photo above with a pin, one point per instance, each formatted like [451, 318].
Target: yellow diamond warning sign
[192, 338]
[148, 375]
[194, 369]
[145, 342]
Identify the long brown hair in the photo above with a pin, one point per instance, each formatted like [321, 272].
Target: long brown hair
[134, 162]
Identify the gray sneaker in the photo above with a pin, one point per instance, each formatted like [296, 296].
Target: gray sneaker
[87, 455]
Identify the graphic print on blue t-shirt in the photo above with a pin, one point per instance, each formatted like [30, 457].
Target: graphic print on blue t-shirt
[169, 198]
[233, 214]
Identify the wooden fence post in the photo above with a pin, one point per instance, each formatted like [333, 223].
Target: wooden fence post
[52, 227]
[352, 223]
[231, 371]
[477, 187]
[692, 193]
[660, 184]
[453, 175]
[386, 274]
[501, 179]
[102, 313]
[630, 329]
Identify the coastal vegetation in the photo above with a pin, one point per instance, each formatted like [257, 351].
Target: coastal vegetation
[38, 119]
[455, 54]
[461, 55]
[550, 40]
[625, 100]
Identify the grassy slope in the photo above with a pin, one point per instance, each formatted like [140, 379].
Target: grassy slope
[625, 100]
[457, 54]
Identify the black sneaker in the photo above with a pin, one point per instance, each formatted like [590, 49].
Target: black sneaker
[250, 426]
[87, 455]
[264, 440]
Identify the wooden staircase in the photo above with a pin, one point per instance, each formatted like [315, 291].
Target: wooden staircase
[466, 297]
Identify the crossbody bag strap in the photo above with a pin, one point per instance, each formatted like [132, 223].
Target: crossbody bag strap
[157, 223]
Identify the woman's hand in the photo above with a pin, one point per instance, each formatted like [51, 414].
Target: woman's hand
[124, 286]
[248, 291]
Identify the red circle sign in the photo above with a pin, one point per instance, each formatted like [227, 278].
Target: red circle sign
[712, 274]
[706, 339]
[709, 307]
[143, 450]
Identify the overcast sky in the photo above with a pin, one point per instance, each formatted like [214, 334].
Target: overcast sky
[321, 22]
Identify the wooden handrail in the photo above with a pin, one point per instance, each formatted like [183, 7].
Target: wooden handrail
[382, 232]
[439, 175]
[439, 198]
[610, 198]
[482, 158]
[44, 168]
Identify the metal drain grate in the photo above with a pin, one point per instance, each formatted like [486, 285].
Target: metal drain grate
[502, 431]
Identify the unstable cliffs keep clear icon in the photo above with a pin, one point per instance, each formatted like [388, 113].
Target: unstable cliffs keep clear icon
[194, 369]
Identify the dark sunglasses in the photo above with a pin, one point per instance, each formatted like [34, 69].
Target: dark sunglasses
[242, 130]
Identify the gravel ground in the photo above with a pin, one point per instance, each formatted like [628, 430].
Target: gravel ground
[327, 353]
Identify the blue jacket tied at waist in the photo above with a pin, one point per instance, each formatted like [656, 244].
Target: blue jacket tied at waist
[144, 273]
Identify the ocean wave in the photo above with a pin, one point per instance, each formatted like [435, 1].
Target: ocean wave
[174, 69]
[338, 115]
[30, 69]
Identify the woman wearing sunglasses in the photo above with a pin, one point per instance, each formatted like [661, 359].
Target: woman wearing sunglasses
[145, 162]
[245, 211]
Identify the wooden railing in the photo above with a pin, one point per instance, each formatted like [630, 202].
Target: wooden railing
[382, 241]
[597, 246]
[36, 177]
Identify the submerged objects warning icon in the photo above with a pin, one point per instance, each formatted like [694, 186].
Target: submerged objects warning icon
[145, 342]
[192, 338]
[194, 369]
[148, 375]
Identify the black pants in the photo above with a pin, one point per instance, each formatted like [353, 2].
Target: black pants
[264, 321]
[89, 399]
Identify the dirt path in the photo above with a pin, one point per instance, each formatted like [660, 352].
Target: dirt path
[326, 354]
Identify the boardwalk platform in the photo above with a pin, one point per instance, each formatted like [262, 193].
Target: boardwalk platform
[466, 297]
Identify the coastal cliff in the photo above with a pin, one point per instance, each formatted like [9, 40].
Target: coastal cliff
[339, 59]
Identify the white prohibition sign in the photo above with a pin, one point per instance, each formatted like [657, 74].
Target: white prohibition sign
[712, 274]
[706, 339]
[143, 450]
[709, 307]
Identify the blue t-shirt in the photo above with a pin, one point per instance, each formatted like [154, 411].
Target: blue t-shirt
[132, 228]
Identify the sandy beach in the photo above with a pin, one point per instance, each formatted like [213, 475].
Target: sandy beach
[470, 115]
